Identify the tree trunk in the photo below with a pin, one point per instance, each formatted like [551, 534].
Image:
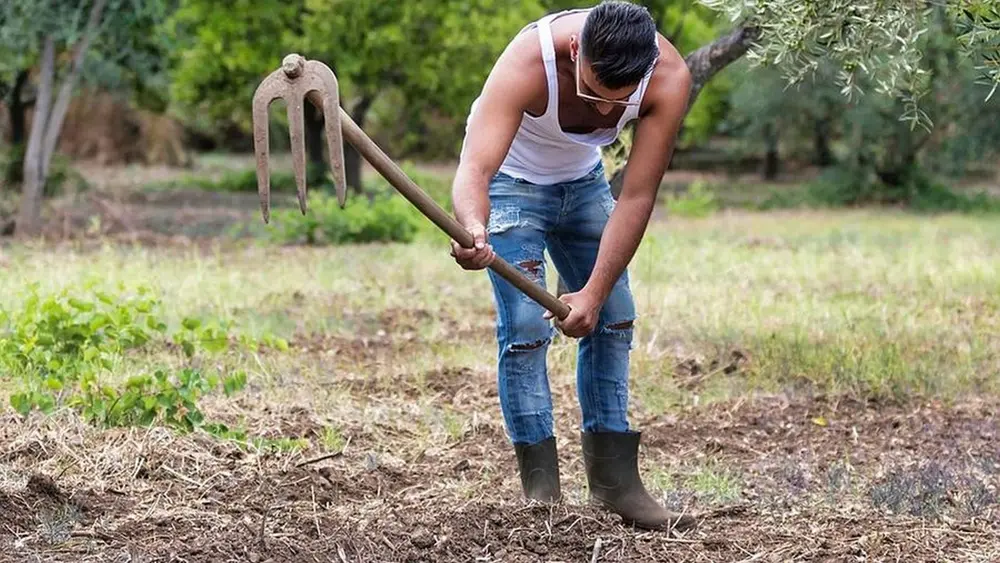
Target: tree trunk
[17, 107]
[54, 127]
[821, 142]
[316, 167]
[772, 159]
[616, 181]
[34, 176]
[352, 168]
[707, 61]
[14, 174]
[47, 124]
[352, 160]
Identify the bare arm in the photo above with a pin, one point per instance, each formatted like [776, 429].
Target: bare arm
[652, 149]
[508, 92]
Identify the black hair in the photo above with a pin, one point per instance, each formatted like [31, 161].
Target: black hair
[620, 43]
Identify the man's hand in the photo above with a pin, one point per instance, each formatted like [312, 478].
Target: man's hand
[478, 257]
[583, 314]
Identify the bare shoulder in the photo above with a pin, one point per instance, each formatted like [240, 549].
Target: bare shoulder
[670, 84]
[519, 72]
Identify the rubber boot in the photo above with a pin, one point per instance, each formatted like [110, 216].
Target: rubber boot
[539, 468]
[611, 460]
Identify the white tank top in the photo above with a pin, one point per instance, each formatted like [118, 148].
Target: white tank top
[541, 152]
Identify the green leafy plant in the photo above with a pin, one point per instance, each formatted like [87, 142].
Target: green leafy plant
[65, 349]
[57, 341]
[383, 219]
[697, 201]
[170, 399]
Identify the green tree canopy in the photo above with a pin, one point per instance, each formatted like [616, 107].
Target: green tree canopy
[432, 55]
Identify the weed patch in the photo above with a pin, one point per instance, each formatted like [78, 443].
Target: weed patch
[70, 349]
[385, 218]
[930, 490]
[716, 484]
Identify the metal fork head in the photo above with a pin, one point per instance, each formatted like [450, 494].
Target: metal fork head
[295, 82]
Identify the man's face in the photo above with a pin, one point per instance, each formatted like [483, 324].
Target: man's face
[602, 99]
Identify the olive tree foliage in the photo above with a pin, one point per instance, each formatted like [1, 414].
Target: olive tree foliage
[875, 44]
[880, 153]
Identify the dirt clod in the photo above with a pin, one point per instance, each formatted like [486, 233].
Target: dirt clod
[43, 485]
[422, 539]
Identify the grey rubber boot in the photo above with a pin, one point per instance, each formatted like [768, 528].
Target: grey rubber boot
[611, 460]
[539, 468]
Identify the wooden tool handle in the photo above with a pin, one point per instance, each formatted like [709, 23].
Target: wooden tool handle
[395, 175]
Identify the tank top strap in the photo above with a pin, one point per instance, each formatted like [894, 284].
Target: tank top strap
[549, 59]
[632, 112]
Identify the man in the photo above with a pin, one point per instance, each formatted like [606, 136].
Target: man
[530, 179]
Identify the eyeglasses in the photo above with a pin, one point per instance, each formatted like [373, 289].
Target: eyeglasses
[596, 98]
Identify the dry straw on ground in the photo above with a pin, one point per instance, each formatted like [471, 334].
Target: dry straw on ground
[70, 492]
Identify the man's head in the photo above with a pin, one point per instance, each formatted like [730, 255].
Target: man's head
[618, 46]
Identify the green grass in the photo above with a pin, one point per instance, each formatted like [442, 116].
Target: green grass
[715, 485]
[830, 189]
[874, 304]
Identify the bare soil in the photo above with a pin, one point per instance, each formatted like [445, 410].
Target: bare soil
[817, 481]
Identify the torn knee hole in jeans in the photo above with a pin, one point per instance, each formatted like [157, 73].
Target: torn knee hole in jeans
[528, 346]
[532, 267]
[619, 328]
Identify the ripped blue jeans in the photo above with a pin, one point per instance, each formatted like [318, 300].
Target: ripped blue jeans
[567, 220]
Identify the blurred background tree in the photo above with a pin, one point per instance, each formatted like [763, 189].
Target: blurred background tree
[112, 43]
[881, 146]
[879, 96]
[427, 59]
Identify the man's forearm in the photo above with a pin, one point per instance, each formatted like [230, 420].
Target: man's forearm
[619, 242]
[470, 196]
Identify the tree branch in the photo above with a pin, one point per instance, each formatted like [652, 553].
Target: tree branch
[55, 121]
[703, 64]
[707, 61]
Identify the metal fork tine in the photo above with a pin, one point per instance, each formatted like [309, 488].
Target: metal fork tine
[296, 127]
[267, 92]
[335, 140]
[330, 98]
[299, 80]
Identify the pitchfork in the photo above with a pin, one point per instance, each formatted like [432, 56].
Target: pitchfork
[298, 80]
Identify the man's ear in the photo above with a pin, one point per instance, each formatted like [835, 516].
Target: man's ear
[574, 48]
